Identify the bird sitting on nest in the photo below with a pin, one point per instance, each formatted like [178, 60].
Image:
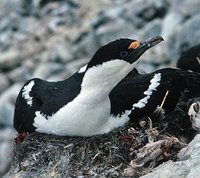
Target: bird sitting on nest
[101, 96]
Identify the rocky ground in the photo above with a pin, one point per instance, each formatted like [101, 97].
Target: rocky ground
[51, 39]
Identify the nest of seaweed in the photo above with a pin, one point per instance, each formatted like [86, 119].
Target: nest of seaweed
[133, 150]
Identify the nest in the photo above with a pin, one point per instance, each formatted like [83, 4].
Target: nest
[133, 150]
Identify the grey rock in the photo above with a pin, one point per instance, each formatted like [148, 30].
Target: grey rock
[65, 11]
[170, 23]
[151, 29]
[189, 33]
[145, 66]
[148, 10]
[5, 159]
[188, 8]
[55, 8]
[15, 55]
[46, 70]
[85, 45]
[19, 74]
[6, 148]
[107, 16]
[57, 50]
[55, 22]
[10, 58]
[184, 37]
[60, 76]
[75, 65]
[188, 165]
[7, 134]
[114, 30]
[27, 25]
[4, 82]
[7, 102]
[8, 7]
[130, 16]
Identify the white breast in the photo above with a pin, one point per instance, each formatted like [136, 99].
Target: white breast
[79, 119]
[89, 113]
[75, 119]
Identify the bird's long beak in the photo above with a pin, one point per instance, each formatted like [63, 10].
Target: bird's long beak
[153, 41]
[134, 56]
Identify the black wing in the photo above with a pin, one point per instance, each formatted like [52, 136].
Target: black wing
[131, 89]
[47, 97]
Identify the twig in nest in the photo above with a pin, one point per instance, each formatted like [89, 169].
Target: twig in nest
[152, 133]
[34, 157]
[150, 123]
[170, 139]
[96, 155]
[68, 146]
[162, 103]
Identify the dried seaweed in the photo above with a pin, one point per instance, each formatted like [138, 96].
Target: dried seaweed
[132, 150]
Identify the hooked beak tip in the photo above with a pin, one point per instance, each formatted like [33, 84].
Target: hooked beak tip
[154, 41]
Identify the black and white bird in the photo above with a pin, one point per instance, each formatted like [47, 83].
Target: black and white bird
[190, 59]
[101, 96]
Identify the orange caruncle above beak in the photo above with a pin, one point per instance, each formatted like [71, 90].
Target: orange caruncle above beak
[134, 45]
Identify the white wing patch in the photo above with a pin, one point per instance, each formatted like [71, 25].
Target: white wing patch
[121, 119]
[25, 93]
[82, 69]
[155, 82]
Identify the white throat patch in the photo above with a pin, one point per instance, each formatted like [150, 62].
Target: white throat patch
[106, 76]
[25, 93]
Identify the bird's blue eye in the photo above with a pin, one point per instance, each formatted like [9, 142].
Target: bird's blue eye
[124, 53]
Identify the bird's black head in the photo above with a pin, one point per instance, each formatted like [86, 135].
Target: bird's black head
[112, 62]
[123, 49]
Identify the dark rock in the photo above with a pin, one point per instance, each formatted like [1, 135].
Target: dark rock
[149, 10]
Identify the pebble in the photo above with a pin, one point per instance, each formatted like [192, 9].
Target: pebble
[188, 164]
[7, 102]
[6, 144]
